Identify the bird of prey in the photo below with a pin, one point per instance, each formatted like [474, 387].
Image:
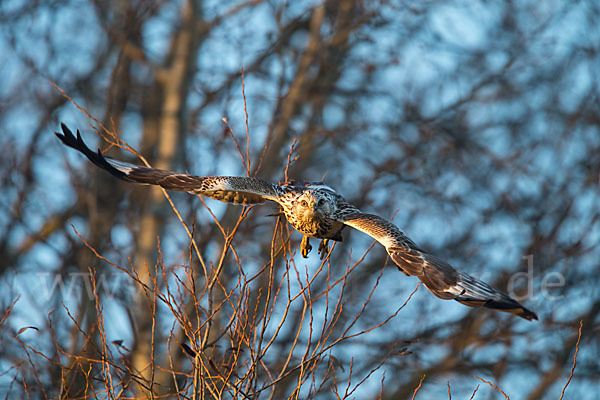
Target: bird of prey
[317, 211]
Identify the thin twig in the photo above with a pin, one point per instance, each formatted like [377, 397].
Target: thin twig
[106, 133]
[492, 385]
[289, 160]
[381, 386]
[247, 127]
[237, 145]
[419, 387]
[562, 393]
[9, 310]
[474, 391]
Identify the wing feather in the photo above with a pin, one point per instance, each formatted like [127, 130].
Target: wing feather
[232, 189]
[439, 277]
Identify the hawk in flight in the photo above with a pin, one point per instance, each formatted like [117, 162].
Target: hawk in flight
[317, 211]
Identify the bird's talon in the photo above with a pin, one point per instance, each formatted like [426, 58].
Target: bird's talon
[323, 248]
[305, 247]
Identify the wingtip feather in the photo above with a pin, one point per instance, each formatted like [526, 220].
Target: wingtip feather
[512, 306]
[78, 144]
[527, 314]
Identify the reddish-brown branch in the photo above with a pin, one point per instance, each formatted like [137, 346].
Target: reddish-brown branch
[562, 393]
[492, 385]
[419, 386]
[289, 160]
[8, 310]
[246, 123]
[474, 391]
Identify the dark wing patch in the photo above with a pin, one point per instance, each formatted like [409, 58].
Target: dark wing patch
[78, 144]
[443, 280]
[232, 189]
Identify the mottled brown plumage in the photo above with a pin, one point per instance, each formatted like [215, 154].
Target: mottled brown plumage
[317, 211]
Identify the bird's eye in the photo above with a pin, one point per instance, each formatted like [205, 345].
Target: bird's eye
[304, 203]
[321, 202]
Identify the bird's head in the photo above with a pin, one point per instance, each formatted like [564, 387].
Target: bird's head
[315, 202]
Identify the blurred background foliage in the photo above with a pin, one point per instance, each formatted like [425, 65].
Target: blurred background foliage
[474, 124]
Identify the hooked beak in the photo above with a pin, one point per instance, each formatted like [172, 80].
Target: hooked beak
[313, 205]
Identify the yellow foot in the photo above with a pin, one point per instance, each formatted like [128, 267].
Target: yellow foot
[323, 248]
[305, 247]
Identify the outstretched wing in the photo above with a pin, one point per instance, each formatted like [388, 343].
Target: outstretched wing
[439, 277]
[232, 189]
